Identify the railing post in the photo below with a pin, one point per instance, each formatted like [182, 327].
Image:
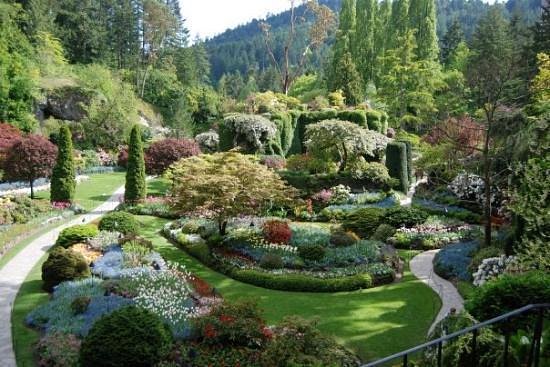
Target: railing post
[474, 347]
[405, 360]
[506, 346]
[538, 336]
[439, 353]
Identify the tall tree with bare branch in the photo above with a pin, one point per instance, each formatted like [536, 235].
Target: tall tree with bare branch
[318, 30]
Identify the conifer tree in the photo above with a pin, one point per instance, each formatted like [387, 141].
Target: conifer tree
[365, 34]
[422, 18]
[63, 182]
[381, 41]
[399, 23]
[136, 189]
[347, 78]
[452, 38]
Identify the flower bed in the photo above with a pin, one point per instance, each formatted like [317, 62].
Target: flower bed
[245, 254]
[452, 261]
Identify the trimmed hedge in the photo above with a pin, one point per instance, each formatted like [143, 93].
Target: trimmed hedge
[396, 161]
[63, 182]
[409, 146]
[374, 120]
[121, 222]
[405, 217]
[363, 222]
[302, 283]
[307, 118]
[76, 234]
[130, 336]
[358, 117]
[312, 183]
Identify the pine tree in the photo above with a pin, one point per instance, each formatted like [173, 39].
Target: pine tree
[422, 18]
[347, 78]
[63, 177]
[452, 38]
[136, 189]
[541, 31]
[399, 23]
[381, 41]
[364, 51]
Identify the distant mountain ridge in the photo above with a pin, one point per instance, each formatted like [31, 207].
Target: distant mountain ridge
[242, 48]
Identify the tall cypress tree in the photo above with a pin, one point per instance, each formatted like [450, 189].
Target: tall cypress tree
[399, 22]
[63, 176]
[422, 18]
[365, 34]
[381, 36]
[450, 41]
[136, 189]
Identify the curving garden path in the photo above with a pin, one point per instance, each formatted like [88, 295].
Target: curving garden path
[13, 274]
[422, 268]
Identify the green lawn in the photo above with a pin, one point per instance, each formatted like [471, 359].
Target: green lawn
[93, 192]
[157, 186]
[374, 322]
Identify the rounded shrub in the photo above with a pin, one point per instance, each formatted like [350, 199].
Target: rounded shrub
[312, 252]
[76, 234]
[80, 304]
[63, 265]
[130, 336]
[383, 232]
[122, 222]
[363, 221]
[271, 261]
[405, 217]
[341, 238]
[508, 293]
[276, 231]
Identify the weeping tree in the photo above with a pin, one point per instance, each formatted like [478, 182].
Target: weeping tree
[226, 185]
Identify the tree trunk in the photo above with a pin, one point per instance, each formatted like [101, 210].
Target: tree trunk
[32, 188]
[222, 227]
[344, 164]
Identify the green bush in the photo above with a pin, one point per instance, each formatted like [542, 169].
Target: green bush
[341, 238]
[383, 232]
[136, 189]
[405, 217]
[58, 350]
[76, 234]
[271, 261]
[80, 304]
[509, 293]
[130, 336]
[298, 342]
[307, 118]
[302, 283]
[63, 265]
[358, 117]
[374, 121]
[409, 146]
[363, 221]
[122, 222]
[312, 252]
[396, 161]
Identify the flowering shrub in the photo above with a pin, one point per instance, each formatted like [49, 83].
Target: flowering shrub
[274, 162]
[104, 240]
[109, 265]
[277, 232]
[472, 188]
[492, 268]
[250, 132]
[208, 141]
[453, 260]
[341, 194]
[58, 350]
[322, 197]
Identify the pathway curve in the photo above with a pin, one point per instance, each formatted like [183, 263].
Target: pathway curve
[13, 274]
[422, 267]
[407, 201]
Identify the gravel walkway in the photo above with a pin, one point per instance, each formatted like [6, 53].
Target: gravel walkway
[14, 273]
[422, 267]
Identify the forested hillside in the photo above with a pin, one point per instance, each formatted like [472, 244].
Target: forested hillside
[242, 49]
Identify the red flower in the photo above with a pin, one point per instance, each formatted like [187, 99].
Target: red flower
[226, 319]
[268, 333]
[210, 331]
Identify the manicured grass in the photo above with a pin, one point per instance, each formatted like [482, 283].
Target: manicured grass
[466, 289]
[374, 322]
[93, 192]
[157, 186]
[29, 297]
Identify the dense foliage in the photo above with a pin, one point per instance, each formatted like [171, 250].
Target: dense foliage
[161, 154]
[63, 176]
[121, 222]
[136, 188]
[63, 265]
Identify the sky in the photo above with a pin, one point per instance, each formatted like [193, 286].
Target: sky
[207, 18]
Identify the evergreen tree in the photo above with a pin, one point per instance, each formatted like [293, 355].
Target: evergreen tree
[365, 35]
[541, 31]
[450, 41]
[399, 22]
[422, 18]
[136, 188]
[63, 182]
[347, 78]
[381, 41]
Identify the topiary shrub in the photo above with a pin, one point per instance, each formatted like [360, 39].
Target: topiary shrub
[75, 234]
[358, 117]
[122, 222]
[409, 146]
[383, 232]
[130, 336]
[135, 189]
[374, 120]
[271, 261]
[509, 293]
[363, 221]
[63, 181]
[341, 238]
[396, 161]
[312, 252]
[276, 231]
[408, 217]
[63, 265]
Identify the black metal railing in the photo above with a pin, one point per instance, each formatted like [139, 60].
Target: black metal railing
[534, 352]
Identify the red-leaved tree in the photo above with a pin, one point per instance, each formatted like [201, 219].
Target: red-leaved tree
[161, 154]
[30, 158]
[9, 135]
